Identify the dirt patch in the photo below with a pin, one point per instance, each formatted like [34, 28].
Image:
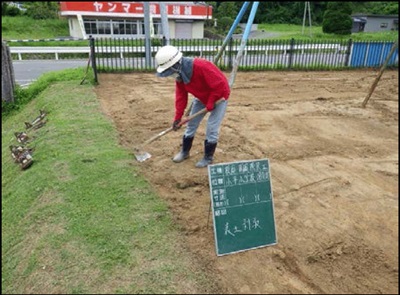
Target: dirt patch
[334, 173]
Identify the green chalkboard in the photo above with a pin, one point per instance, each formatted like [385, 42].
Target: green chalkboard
[242, 206]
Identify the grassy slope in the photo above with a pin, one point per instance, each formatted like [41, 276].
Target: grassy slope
[22, 27]
[81, 219]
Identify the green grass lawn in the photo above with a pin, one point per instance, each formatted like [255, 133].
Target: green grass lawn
[81, 220]
[315, 33]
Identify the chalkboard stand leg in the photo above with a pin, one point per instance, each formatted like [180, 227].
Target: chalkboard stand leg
[209, 211]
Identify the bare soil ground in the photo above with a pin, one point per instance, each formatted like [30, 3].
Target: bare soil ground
[334, 173]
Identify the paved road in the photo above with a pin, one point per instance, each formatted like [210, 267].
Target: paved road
[27, 71]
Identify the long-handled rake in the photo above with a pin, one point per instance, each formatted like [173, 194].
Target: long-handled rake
[142, 156]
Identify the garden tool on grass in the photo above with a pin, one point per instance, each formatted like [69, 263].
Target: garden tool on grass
[38, 122]
[142, 156]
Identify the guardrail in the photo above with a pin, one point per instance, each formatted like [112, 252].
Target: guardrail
[54, 50]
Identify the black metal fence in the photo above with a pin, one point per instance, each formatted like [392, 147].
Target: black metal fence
[126, 55]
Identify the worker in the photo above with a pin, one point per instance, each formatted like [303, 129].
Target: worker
[208, 84]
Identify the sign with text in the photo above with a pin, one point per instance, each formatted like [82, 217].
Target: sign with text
[242, 206]
[135, 9]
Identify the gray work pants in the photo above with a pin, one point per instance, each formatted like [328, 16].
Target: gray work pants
[213, 123]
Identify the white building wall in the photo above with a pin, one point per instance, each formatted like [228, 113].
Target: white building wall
[198, 30]
[171, 25]
[376, 24]
[74, 29]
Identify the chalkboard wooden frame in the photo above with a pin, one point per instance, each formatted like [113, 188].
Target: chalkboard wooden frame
[242, 206]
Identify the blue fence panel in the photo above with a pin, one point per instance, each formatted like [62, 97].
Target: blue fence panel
[358, 53]
[395, 57]
[372, 54]
[375, 56]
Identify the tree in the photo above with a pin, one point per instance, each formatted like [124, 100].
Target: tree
[9, 9]
[224, 24]
[7, 75]
[291, 12]
[226, 9]
[42, 10]
[337, 19]
[385, 7]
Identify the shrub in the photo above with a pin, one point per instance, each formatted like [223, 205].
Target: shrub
[42, 10]
[224, 24]
[10, 10]
[337, 19]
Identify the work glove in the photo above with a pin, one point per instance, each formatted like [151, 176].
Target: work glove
[176, 125]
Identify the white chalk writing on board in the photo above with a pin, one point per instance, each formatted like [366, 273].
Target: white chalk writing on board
[241, 197]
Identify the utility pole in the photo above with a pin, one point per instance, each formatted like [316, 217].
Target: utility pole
[164, 22]
[307, 7]
[146, 7]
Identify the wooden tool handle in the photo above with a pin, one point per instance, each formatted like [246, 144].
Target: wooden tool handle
[187, 119]
[202, 111]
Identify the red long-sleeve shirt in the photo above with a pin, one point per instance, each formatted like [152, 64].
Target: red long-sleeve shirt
[207, 83]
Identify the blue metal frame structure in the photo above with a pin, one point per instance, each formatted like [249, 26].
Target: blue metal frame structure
[244, 37]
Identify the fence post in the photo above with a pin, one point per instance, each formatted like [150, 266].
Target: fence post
[7, 74]
[347, 59]
[291, 53]
[93, 57]
[230, 53]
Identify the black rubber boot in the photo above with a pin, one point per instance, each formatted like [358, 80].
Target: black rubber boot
[209, 150]
[184, 152]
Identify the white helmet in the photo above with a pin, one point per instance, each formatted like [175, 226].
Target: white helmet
[166, 57]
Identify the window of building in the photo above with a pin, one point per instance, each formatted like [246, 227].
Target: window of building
[134, 28]
[384, 25]
[104, 27]
[90, 26]
[131, 27]
[156, 26]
